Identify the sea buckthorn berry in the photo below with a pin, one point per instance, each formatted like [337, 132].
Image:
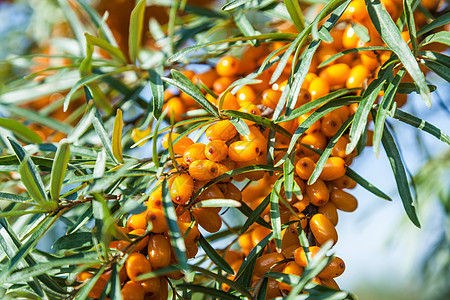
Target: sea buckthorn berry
[315, 127]
[222, 83]
[300, 255]
[318, 193]
[207, 78]
[290, 237]
[334, 269]
[325, 52]
[119, 245]
[330, 283]
[342, 112]
[305, 167]
[343, 200]
[291, 268]
[250, 109]
[330, 124]
[132, 291]
[232, 192]
[371, 63]
[259, 233]
[192, 236]
[230, 102]
[431, 5]
[344, 182]
[143, 242]
[322, 229]
[357, 11]
[245, 242]
[302, 204]
[350, 39]
[151, 286]
[180, 146]
[391, 8]
[358, 74]
[289, 252]
[228, 66]
[175, 107]
[138, 221]
[159, 251]
[136, 265]
[181, 188]
[329, 210]
[340, 147]
[303, 97]
[208, 219]
[194, 152]
[400, 99]
[246, 95]
[212, 192]
[336, 75]
[333, 169]
[266, 261]
[223, 130]
[317, 139]
[318, 87]
[203, 170]
[270, 98]
[243, 151]
[216, 150]
[158, 220]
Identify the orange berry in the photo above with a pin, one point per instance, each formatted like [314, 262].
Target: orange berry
[350, 39]
[317, 139]
[333, 169]
[207, 78]
[203, 170]
[305, 167]
[266, 261]
[132, 291]
[357, 11]
[290, 238]
[329, 210]
[222, 83]
[175, 107]
[158, 220]
[358, 74]
[159, 251]
[336, 75]
[180, 146]
[330, 283]
[259, 233]
[192, 236]
[302, 204]
[300, 255]
[228, 66]
[315, 127]
[343, 200]
[322, 229]
[208, 219]
[334, 269]
[318, 87]
[243, 151]
[246, 95]
[232, 192]
[344, 182]
[137, 264]
[181, 188]
[151, 286]
[325, 52]
[340, 147]
[194, 152]
[291, 268]
[138, 221]
[222, 130]
[143, 242]
[216, 150]
[400, 99]
[270, 98]
[250, 109]
[330, 124]
[230, 102]
[318, 193]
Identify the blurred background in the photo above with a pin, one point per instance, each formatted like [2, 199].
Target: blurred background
[386, 256]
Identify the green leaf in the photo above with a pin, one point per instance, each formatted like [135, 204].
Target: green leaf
[75, 24]
[14, 198]
[115, 293]
[256, 214]
[275, 213]
[362, 32]
[382, 111]
[422, 125]
[323, 158]
[408, 11]
[336, 7]
[438, 22]
[214, 256]
[157, 88]
[102, 134]
[22, 131]
[393, 39]
[257, 119]
[367, 185]
[135, 30]
[184, 84]
[400, 175]
[364, 107]
[233, 4]
[117, 136]
[437, 57]
[30, 177]
[441, 37]
[294, 10]
[409, 87]
[244, 25]
[438, 68]
[110, 49]
[73, 241]
[16, 213]
[288, 176]
[286, 55]
[198, 288]
[240, 125]
[176, 239]
[353, 50]
[59, 168]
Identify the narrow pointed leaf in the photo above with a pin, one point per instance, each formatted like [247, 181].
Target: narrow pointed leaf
[135, 30]
[256, 215]
[157, 87]
[233, 4]
[367, 185]
[117, 136]
[59, 169]
[294, 10]
[275, 217]
[214, 256]
[22, 131]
